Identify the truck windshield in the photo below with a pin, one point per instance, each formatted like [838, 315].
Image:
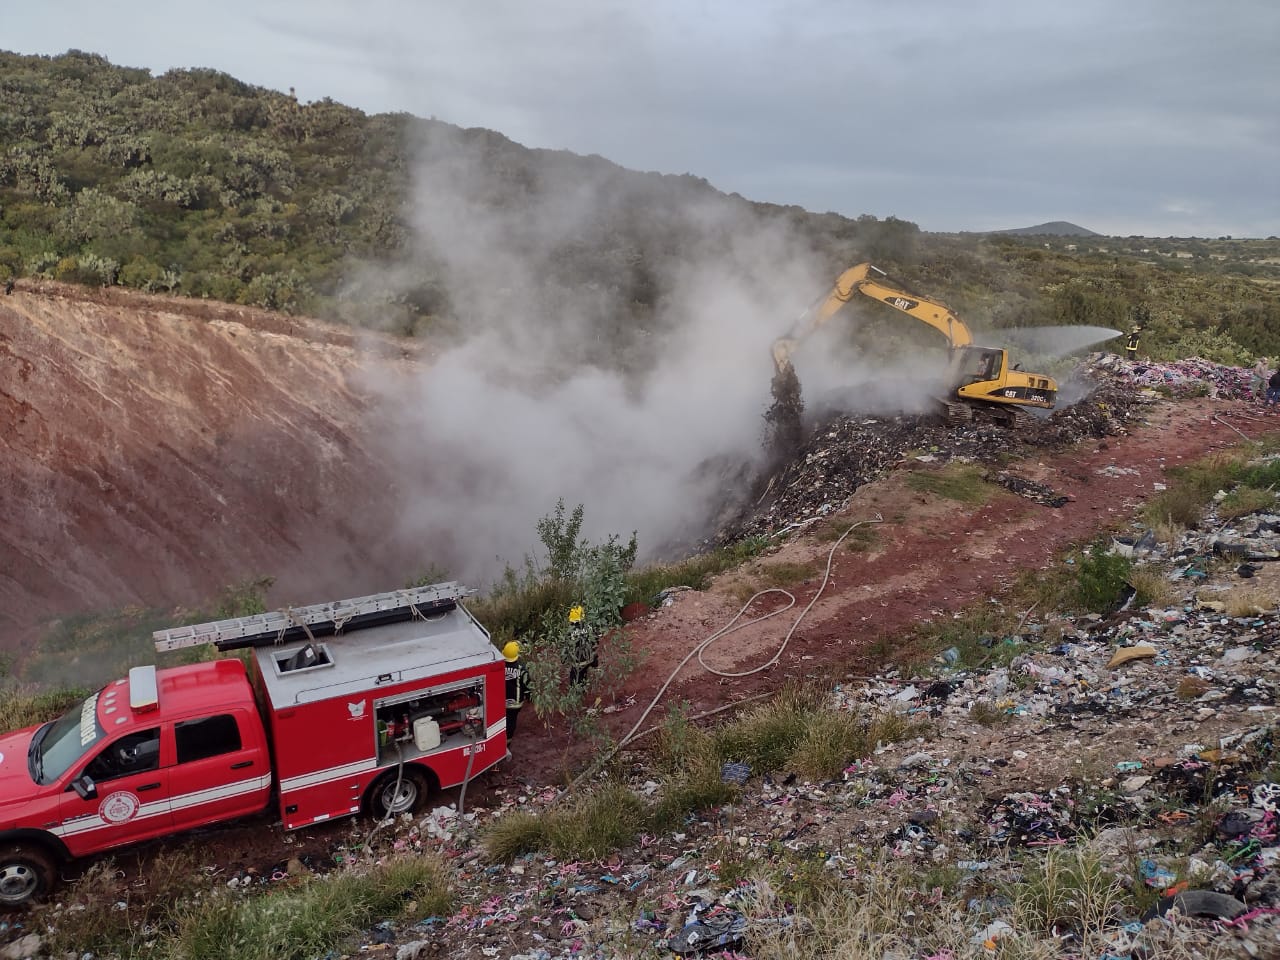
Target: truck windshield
[58, 745]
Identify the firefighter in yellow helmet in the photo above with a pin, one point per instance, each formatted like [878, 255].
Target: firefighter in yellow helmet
[582, 647]
[517, 685]
[1131, 343]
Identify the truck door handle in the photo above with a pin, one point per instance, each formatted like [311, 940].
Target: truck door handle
[242, 764]
[148, 786]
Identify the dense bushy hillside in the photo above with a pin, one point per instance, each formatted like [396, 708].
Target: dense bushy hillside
[195, 183]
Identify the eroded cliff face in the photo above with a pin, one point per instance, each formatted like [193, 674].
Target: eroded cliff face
[155, 449]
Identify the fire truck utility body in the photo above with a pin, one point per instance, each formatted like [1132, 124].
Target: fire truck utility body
[363, 705]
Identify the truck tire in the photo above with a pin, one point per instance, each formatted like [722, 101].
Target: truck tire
[386, 800]
[26, 874]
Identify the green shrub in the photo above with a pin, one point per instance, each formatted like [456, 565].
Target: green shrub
[1101, 579]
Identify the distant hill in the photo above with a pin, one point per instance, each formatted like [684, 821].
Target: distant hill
[1056, 228]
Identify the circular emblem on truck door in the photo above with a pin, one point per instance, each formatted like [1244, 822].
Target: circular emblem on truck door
[119, 807]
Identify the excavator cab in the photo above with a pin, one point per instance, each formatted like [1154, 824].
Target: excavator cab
[980, 364]
[984, 374]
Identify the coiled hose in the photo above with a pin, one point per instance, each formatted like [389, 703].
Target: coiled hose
[701, 647]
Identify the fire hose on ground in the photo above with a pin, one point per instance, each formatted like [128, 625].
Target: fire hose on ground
[701, 647]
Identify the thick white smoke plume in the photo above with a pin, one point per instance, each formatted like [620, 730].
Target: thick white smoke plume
[514, 417]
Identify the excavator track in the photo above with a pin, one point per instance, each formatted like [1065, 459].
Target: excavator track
[957, 413]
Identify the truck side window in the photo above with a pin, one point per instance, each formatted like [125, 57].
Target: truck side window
[207, 737]
[136, 752]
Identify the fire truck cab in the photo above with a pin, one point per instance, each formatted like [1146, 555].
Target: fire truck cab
[364, 705]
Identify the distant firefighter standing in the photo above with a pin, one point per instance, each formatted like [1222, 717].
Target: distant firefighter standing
[1131, 344]
[582, 649]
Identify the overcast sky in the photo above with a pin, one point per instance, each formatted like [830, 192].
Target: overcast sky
[1152, 117]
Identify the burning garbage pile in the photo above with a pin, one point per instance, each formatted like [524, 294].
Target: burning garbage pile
[848, 451]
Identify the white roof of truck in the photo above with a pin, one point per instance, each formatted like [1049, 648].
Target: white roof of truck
[360, 661]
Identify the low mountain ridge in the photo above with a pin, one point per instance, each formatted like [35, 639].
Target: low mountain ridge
[1054, 228]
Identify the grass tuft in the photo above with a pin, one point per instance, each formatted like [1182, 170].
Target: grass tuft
[1151, 588]
[314, 918]
[960, 482]
[1244, 500]
[517, 833]
[598, 824]
[176, 916]
[1191, 489]
[1067, 890]
[766, 738]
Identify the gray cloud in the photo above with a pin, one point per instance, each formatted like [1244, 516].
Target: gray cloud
[1153, 116]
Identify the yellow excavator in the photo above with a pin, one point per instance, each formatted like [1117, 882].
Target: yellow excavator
[980, 378]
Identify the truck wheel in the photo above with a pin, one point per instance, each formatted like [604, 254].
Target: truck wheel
[26, 874]
[388, 800]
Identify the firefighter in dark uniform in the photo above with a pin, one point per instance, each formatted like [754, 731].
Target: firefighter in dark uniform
[517, 685]
[1131, 344]
[582, 648]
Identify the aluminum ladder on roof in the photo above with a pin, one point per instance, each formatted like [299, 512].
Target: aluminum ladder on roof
[315, 619]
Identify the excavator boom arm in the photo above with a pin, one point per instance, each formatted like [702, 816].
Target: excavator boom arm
[864, 279]
[927, 311]
[820, 312]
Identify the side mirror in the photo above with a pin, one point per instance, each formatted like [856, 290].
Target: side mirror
[84, 787]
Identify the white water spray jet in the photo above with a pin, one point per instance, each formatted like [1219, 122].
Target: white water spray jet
[1057, 341]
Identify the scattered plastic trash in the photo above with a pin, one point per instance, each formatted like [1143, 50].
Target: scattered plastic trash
[707, 931]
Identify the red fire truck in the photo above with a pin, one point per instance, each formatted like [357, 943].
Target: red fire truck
[364, 705]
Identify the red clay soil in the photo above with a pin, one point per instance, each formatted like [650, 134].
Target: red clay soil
[156, 449]
[929, 557]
